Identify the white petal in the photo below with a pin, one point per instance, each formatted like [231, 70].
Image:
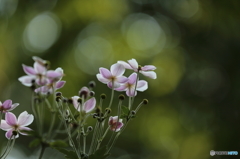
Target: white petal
[5, 126]
[25, 119]
[150, 74]
[102, 79]
[142, 85]
[125, 64]
[133, 63]
[117, 69]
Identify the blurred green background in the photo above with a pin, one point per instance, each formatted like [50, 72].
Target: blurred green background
[195, 45]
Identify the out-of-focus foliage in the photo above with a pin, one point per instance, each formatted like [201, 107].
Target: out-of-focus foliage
[194, 102]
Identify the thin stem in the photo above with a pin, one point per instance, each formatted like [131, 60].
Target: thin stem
[112, 94]
[130, 103]
[42, 151]
[135, 87]
[1, 114]
[8, 149]
[93, 138]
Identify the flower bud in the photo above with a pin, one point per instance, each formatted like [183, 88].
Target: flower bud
[121, 97]
[70, 100]
[84, 92]
[90, 128]
[58, 93]
[92, 84]
[95, 115]
[108, 110]
[92, 93]
[58, 98]
[133, 112]
[145, 101]
[103, 96]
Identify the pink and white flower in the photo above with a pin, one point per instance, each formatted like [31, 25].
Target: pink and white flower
[113, 77]
[7, 106]
[36, 74]
[48, 89]
[11, 123]
[115, 124]
[130, 85]
[86, 107]
[146, 70]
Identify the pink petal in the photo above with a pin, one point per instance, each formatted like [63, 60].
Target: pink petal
[122, 79]
[42, 90]
[29, 70]
[13, 106]
[40, 69]
[105, 73]
[26, 80]
[53, 74]
[116, 84]
[9, 134]
[148, 68]
[76, 103]
[126, 65]
[25, 119]
[7, 104]
[25, 129]
[89, 105]
[142, 85]
[130, 92]
[39, 60]
[102, 79]
[5, 126]
[121, 88]
[117, 69]
[11, 119]
[60, 84]
[132, 78]
[133, 63]
[42, 81]
[150, 74]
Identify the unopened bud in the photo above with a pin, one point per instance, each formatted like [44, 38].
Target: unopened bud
[90, 128]
[98, 110]
[59, 94]
[58, 98]
[95, 115]
[80, 100]
[133, 112]
[108, 110]
[92, 84]
[92, 93]
[70, 100]
[121, 97]
[103, 96]
[145, 101]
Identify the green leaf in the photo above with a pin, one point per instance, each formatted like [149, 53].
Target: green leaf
[58, 143]
[69, 154]
[35, 143]
[124, 112]
[100, 153]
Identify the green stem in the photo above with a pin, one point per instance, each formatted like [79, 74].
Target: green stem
[112, 94]
[1, 113]
[42, 151]
[8, 149]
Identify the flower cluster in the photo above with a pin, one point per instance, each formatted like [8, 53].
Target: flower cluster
[39, 76]
[12, 125]
[74, 112]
